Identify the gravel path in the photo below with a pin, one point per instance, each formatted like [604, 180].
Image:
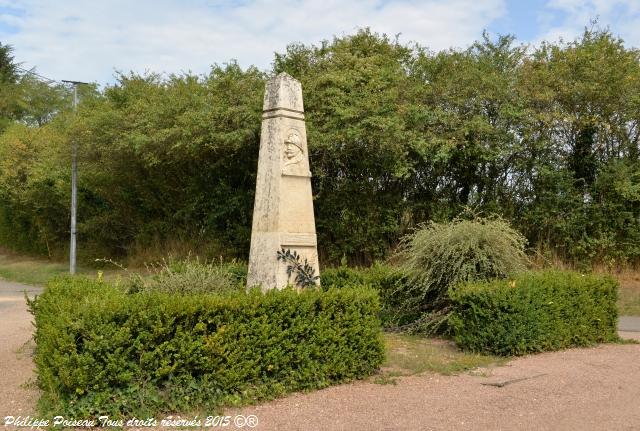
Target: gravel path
[578, 389]
[18, 395]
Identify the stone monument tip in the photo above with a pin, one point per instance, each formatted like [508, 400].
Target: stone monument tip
[284, 75]
[283, 91]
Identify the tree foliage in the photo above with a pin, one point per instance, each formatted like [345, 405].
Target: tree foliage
[546, 137]
[8, 79]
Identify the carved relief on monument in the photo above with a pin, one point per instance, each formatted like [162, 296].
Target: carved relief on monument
[293, 156]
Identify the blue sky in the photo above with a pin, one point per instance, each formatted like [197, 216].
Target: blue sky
[90, 40]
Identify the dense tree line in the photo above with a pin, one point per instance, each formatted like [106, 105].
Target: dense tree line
[546, 137]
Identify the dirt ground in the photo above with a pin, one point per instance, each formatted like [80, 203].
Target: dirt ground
[18, 394]
[579, 389]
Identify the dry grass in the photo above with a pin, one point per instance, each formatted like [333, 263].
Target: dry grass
[629, 298]
[29, 270]
[36, 271]
[141, 255]
[408, 355]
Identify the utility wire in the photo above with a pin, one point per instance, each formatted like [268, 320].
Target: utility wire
[37, 75]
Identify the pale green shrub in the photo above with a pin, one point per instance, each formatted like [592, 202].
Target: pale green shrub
[439, 256]
[188, 276]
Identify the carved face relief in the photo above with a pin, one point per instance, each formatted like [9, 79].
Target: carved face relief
[291, 150]
[293, 147]
[293, 156]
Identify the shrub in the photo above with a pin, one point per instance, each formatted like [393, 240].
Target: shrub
[537, 311]
[188, 276]
[101, 350]
[238, 271]
[441, 255]
[385, 279]
[343, 276]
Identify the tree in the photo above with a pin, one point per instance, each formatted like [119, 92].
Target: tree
[358, 102]
[8, 67]
[398, 135]
[40, 101]
[9, 76]
[586, 118]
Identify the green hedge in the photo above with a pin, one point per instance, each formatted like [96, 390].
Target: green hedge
[537, 311]
[390, 283]
[101, 350]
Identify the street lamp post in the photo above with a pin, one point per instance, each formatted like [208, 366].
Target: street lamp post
[74, 184]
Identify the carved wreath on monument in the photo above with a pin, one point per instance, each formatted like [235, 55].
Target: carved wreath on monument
[305, 273]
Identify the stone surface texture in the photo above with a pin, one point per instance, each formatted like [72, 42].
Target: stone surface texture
[283, 209]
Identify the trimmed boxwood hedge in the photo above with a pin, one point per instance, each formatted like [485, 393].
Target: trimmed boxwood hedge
[390, 283]
[538, 311]
[100, 350]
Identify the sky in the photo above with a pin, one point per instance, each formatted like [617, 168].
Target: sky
[91, 40]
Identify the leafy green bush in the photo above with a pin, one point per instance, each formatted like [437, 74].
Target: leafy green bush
[385, 279]
[101, 350]
[238, 271]
[343, 276]
[537, 311]
[379, 276]
[441, 255]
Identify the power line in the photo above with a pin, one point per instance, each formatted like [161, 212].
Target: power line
[37, 75]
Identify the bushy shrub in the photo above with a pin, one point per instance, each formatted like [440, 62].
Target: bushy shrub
[101, 350]
[534, 312]
[441, 255]
[189, 276]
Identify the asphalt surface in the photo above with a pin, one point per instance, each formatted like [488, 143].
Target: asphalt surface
[629, 323]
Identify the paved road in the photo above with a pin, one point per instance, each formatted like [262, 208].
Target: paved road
[629, 323]
[15, 291]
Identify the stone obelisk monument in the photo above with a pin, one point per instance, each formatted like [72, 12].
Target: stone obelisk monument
[283, 209]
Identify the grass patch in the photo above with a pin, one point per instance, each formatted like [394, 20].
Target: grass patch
[629, 302]
[29, 271]
[409, 354]
[627, 341]
[37, 272]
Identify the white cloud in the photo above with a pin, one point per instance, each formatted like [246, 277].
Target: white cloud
[622, 17]
[76, 39]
